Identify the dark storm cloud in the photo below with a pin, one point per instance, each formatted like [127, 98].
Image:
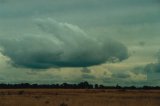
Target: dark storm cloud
[154, 67]
[60, 45]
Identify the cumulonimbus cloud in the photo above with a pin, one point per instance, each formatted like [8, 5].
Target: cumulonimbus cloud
[153, 67]
[60, 45]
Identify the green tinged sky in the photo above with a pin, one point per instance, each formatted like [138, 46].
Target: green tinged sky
[100, 41]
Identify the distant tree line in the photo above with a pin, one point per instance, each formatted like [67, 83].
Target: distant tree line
[81, 85]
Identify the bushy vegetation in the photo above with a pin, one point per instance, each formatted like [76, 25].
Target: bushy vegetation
[81, 85]
[63, 104]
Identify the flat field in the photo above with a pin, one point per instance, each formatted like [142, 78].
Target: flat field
[78, 97]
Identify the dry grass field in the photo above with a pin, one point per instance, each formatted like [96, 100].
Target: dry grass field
[79, 97]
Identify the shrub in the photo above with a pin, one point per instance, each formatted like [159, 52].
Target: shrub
[21, 92]
[63, 104]
[47, 102]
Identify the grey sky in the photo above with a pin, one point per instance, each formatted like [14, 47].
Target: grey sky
[132, 23]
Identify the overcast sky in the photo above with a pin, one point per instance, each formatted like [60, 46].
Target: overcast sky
[100, 41]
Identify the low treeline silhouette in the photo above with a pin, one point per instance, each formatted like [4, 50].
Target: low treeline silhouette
[81, 85]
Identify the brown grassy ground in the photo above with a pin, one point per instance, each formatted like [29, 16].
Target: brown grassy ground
[64, 97]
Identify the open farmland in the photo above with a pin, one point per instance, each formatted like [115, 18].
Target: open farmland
[78, 97]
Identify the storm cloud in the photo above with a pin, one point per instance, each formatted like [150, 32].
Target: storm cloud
[59, 44]
[154, 67]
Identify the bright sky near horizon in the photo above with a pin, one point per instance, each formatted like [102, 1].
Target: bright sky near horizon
[100, 41]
